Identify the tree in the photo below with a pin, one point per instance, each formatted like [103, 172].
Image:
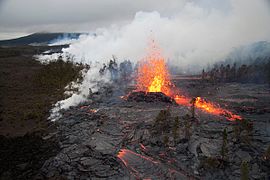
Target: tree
[244, 170]
[187, 128]
[193, 101]
[224, 148]
[176, 128]
[162, 121]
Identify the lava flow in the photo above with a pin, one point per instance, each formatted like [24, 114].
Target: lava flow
[133, 160]
[144, 167]
[153, 76]
[214, 109]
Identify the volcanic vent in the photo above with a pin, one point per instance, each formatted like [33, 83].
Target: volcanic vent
[153, 79]
[153, 84]
[141, 96]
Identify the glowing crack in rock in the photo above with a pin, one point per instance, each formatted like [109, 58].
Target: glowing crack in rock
[145, 167]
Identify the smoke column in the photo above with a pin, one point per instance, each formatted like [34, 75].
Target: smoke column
[191, 38]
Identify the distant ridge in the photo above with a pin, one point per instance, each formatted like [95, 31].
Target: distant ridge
[37, 39]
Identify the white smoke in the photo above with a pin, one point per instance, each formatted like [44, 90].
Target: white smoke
[67, 38]
[195, 35]
[63, 42]
[91, 79]
[190, 38]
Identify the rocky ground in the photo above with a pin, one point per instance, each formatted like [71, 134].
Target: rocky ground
[111, 138]
[27, 91]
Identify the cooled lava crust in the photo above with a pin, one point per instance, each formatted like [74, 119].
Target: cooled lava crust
[150, 97]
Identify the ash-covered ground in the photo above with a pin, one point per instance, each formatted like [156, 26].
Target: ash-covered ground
[109, 137]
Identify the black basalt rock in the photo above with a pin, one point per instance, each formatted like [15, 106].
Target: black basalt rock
[150, 97]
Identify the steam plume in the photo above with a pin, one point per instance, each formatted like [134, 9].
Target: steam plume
[190, 39]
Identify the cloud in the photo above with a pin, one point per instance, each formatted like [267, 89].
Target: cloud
[79, 15]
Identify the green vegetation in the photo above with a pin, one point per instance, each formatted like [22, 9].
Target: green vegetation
[224, 147]
[236, 132]
[246, 125]
[244, 171]
[242, 131]
[57, 74]
[266, 155]
[252, 72]
[165, 140]
[211, 163]
[162, 121]
[193, 100]
[175, 129]
[187, 126]
[161, 126]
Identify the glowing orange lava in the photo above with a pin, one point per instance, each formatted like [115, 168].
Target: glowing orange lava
[215, 109]
[136, 164]
[182, 100]
[126, 155]
[153, 76]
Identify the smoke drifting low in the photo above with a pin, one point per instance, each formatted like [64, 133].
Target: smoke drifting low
[190, 39]
[193, 37]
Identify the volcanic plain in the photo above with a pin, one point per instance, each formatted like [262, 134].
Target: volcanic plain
[111, 136]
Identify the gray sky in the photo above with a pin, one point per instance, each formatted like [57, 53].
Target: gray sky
[27, 16]
[18, 17]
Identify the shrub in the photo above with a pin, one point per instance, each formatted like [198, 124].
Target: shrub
[211, 162]
[236, 132]
[246, 128]
[175, 130]
[162, 121]
[266, 155]
[243, 131]
[187, 126]
[244, 171]
[245, 125]
[224, 148]
[165, 140]
[192, 102]
[57, 74]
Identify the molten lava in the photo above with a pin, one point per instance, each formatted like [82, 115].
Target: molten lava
[215, 109]
[153, 76]
[134, 160]
[145, 167]
[156, 84]
[182, 100]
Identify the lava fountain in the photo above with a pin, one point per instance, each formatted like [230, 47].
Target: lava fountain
[153, 76]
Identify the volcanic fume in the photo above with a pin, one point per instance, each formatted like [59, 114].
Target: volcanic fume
[153, 76]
